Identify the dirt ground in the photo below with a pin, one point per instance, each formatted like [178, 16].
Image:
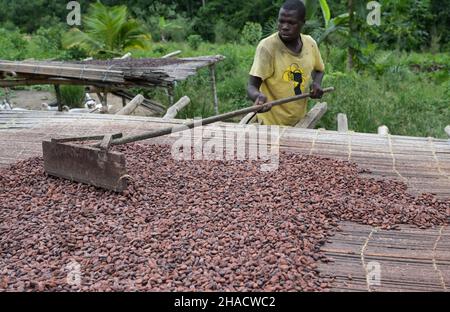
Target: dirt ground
[34, 100]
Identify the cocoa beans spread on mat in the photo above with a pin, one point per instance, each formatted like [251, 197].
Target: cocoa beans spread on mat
[191, 225]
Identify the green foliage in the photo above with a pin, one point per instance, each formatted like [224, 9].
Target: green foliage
[29, 16]
[409, 102]
[251, 33]
[12, 45]
[392, 85]
[404, 24]
[175, 29]
[108, 32]
[194, 41]
[72, 96]
[224, 33]
[270, 27]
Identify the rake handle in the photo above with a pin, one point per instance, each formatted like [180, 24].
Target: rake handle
[212, 119]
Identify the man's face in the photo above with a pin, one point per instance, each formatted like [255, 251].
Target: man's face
[289, 25]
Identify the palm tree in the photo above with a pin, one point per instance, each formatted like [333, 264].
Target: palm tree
[108, 31]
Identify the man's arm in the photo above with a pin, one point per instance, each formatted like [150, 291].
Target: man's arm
[254, 83]
[316, 87]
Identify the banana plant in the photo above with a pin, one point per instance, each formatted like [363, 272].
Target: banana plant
[312, 6]
[108, 31]
[330, 25]
[337, 23]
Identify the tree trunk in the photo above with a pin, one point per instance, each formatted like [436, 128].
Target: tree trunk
[350, 52]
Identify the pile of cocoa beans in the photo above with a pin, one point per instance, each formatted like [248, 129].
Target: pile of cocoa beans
[191, 225]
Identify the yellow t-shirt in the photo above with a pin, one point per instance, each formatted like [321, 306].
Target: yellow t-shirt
[284, 74]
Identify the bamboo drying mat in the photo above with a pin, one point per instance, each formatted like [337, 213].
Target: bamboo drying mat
[410, 259]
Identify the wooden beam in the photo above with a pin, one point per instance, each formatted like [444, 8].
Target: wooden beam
[64, 70]
[447, 130]
[52, 81]
[130, 107]
[313, 116]
[342, 122]
[212, 71]
[178, 106]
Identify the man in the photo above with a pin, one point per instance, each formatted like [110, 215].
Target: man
[287, 63]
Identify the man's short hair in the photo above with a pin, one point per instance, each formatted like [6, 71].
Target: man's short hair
[295, 5]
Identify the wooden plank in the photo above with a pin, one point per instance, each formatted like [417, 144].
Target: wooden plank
[63, 71]
[85, 164]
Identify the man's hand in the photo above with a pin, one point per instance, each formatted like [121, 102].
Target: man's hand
[261, 99]
[316, 91]
[254, 83]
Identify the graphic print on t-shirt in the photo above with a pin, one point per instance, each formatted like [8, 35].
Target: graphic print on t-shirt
[296, 75]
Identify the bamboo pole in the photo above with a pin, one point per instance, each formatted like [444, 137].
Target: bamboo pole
[131, 106]
[178, 106]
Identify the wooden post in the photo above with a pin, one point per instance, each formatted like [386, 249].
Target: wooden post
[100, 96]
[383, 130]
[58, 97]
[447, 130]
[342, 122]
[313, 116]
[134, 103]
[7, 91]
[174, 109]
[212, 71]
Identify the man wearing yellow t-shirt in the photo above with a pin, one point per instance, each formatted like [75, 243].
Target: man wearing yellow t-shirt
[286, 63]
